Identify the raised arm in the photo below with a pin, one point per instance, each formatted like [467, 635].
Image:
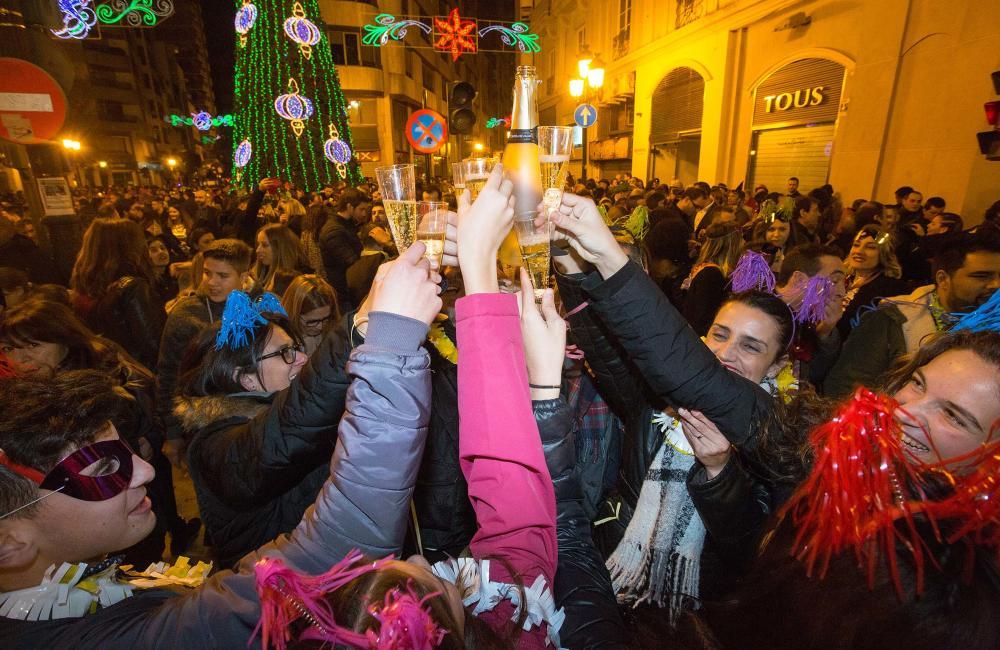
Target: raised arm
[499, 449]
[364, 503]
[279, 447]
[672, 360]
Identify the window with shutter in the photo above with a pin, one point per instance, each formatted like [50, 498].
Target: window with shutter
[677, 106]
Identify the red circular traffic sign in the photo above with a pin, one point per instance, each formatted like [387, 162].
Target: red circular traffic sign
[426, 131]
[32, 103]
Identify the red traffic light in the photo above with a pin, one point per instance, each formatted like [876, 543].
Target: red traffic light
[992, 113]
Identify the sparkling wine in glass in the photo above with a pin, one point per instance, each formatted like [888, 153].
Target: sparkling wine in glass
[555, 144]
[399, 195]
[432, 226]
[475, 173]
[533, 242]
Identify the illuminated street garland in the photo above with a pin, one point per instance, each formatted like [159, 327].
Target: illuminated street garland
[79, 18]
[286, 100]
[202, 121]
[135, 12]
[452, 33]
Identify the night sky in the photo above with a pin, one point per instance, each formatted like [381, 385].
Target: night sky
[218, 17]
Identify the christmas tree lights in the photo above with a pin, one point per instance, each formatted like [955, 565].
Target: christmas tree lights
[288, 102]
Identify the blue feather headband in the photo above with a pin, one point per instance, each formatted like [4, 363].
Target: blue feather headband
[242, 316]
[986, 317]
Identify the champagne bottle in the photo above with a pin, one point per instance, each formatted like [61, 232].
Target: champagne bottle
[520, 156]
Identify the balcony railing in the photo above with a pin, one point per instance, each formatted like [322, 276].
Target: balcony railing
[620, 43]
[689, 11]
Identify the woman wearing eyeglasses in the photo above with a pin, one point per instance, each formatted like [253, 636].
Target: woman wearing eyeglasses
[311, 304]
[260, 417]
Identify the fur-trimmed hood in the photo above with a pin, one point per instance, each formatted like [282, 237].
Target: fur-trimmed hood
[196, 413]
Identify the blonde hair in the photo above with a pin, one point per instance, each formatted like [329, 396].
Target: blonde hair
[286, 255]
[723, 246]
[887, 260]
[306, 293]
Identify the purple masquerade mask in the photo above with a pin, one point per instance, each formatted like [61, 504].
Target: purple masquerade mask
[108, 467]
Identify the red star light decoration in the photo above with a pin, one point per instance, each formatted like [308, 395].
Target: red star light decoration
[455, 35]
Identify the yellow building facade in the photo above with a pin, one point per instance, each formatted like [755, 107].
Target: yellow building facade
[868, 95]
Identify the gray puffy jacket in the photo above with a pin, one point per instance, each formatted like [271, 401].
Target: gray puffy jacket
[363, 505]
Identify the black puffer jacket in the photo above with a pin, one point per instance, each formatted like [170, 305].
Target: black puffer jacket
[582, 586]
[130, 315]
[645, 357]
[258, 460]
[446, 519]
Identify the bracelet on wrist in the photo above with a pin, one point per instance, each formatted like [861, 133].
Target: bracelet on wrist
[541, 387]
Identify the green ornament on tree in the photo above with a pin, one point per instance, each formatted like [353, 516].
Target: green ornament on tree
[286, 131]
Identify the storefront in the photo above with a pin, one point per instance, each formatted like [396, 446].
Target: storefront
[675, 129]
[794, 120]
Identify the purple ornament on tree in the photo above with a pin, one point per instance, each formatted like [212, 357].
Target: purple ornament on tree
[245, 18]
[294, 107]
[243, 152]
[302, 30]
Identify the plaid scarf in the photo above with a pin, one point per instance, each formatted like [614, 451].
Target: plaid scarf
[659, 558]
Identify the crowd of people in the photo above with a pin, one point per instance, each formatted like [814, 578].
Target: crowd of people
[736, 419]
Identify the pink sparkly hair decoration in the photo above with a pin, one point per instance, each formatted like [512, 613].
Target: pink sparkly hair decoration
[286, 596]
[404, 622]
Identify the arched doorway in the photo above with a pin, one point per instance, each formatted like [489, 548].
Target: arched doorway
[794, 120]
[675, 130]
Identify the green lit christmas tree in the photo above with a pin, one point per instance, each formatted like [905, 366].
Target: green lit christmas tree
[291, 117]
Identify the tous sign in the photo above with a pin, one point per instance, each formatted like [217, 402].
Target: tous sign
[798, 99]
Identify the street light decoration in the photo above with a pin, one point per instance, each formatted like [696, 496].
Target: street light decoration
[80, 16]
[294, 107]
[576, 87]
[452, 33]
[78, 19]
[201, 120]
[246, 16]
[455, 35]
[136, 13]
[302, 30]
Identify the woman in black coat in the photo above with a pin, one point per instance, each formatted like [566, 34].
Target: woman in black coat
[261, 422]
[645, 357]
[113, 284]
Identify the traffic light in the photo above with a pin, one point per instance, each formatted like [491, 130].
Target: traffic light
[989, 141]
[462, 117]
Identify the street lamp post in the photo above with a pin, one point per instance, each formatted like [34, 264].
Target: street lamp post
[591, 79]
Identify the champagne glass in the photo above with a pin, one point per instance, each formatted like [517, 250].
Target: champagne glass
[458, 177]
[432, 226]
[533, 242]
[475, 173]
[399, 195]
[555, 144]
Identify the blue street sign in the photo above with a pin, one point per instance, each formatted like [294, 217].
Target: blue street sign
[585, 115]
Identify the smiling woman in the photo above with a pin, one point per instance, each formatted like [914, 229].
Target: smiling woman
[254, 398]
[949, 397]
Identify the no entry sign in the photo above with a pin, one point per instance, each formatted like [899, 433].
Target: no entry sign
[32, 104]
[426, 131]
